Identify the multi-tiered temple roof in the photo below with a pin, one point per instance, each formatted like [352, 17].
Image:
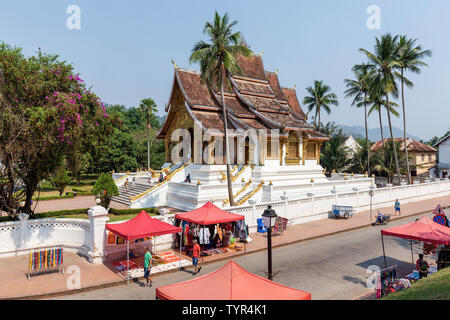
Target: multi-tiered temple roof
[254, 101]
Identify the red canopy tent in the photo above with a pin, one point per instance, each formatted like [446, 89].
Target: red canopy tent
[142, 226]
[209, 214]
[139, 227]
[424, 229]
[231, 282]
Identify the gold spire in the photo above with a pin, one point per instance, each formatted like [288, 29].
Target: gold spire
[174, 64]
[261, 53]
[276, 71]
[295, 86]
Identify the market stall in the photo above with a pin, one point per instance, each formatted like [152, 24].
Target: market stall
[435, 238]
[231, 282]
[210, 224]
[139, 227]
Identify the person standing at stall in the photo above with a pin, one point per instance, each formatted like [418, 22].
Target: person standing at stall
[422, 266]
[195, 256]
[147, 267]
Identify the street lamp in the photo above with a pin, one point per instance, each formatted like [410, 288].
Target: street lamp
[269, 218]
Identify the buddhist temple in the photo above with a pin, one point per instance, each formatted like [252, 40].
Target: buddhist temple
[273, 152]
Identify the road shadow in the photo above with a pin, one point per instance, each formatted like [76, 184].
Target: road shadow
[355, 280]
[404, 268]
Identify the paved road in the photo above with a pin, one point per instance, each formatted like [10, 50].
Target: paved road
[333, 267]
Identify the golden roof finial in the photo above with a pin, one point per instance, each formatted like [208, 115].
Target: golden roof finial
[295, 86]
[174, 64]
[276, 71]
[261, 53]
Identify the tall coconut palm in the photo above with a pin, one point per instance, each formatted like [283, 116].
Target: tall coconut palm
[359, 89]
[148, 108]
[376, 105]
[385, 61]
[218, 59]
[410, 58]
[320, 98]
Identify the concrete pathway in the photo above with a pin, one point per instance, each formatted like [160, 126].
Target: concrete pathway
[79, 202]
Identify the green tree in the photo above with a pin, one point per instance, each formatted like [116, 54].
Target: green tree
[385, 61]
[358, 163]
[387, 166]
[105, 188]
[60, 179]
[218, 59]
[410, 58]
[46, 110]
[148, 108]
[334, 155]
[320, 97]
[359, 89]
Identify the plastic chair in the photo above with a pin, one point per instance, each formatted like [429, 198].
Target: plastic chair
[261, 228]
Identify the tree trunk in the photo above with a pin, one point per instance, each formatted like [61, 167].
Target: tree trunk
[404, 130]
[148, 143]
[367, 136]
[397, 168]
[381, 130]
[227, 147]
[318, 125]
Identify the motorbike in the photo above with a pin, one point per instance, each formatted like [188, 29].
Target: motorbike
[381, 219]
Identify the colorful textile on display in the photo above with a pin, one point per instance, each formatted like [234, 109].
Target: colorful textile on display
[45, 259]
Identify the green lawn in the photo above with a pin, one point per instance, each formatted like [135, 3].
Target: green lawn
[434, 287]
[48, 192]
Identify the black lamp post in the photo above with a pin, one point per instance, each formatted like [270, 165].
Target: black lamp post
[269, 218]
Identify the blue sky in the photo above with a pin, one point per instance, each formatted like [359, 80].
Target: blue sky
[123, 48]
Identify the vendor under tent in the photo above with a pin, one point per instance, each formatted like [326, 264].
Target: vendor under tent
[424, 229]
[139, 227]
[231, 282]
[209, 215]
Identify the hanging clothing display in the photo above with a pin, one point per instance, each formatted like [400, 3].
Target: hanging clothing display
[385, 278]
[204, 236]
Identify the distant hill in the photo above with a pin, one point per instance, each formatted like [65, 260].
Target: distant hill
[374, 134]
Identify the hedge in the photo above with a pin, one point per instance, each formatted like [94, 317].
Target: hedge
[116, 212]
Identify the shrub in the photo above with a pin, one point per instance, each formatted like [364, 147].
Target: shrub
[105, 188]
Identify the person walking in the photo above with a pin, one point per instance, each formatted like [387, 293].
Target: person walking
[134, 182]
[422, 266]
[126, 184]
[397, 207]
[148, 267]
[195, 256]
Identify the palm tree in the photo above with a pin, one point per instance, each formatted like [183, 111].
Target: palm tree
[148, 108]
[359, 89]
[334, 156]
[320, 97]
[376, 103]
[218, 59]
[385, 60]
[409, 58]
[359, 161]
[387, 166]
